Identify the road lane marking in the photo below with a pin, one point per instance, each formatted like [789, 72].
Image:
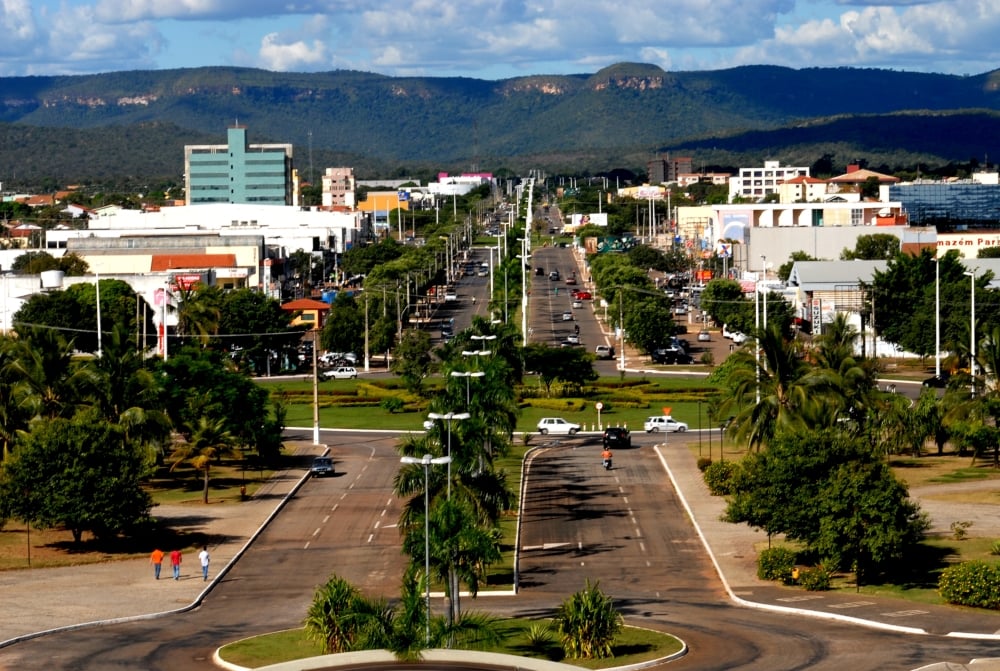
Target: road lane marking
[316, 533]
[544, 546]
[642, 546]
[852, 604]
[306, 546]
[905, 613]
[800, 598]
[326, 519]
[370, 537]
[334, 509]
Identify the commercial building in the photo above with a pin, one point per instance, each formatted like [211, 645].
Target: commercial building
[239, 172]
[756, 184]
[664, 170]
[951, 206]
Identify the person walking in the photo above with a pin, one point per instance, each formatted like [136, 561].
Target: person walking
[203, 558]
[156, 559]
[175, 562]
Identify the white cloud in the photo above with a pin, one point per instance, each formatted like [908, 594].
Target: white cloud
[17, 23]
[279, 53]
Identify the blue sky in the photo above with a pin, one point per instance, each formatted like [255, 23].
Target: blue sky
[495, 39]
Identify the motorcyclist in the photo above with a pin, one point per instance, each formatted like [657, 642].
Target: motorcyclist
[606, 457]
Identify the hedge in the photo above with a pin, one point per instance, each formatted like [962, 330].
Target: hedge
[973, 583]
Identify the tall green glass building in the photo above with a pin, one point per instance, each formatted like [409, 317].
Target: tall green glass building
[238, 172]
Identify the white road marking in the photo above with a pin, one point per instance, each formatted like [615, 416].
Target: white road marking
[306, 546]
[370, 537]
[326, 519]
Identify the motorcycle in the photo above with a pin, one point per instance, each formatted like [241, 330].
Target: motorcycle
[607, 463]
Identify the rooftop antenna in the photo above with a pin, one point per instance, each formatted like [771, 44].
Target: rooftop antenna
[311, 158]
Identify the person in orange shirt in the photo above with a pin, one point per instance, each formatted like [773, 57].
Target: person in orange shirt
[156, 559]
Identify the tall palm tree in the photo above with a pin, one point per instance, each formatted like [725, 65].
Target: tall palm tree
[207, 441]
[12, 414]
[781, 380]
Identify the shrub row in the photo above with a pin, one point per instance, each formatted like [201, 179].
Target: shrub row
[719, 476]
[973, 583]
[559, 404]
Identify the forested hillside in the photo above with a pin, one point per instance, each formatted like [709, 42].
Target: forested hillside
[127, 125]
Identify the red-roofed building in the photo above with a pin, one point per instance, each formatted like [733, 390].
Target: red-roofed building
[311, 313]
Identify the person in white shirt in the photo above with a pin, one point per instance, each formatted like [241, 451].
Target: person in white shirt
[203, 558]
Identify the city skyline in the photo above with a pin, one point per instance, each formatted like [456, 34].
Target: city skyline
[494, 40]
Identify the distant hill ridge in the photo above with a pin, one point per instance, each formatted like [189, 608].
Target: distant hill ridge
[616, 114]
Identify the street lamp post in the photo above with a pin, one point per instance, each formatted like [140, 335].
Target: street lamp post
[426, 462]
[448, 417]
[937, 317]
[467, 374]
[972, 329]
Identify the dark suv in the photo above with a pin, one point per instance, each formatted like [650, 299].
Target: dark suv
[671, 356]
[617, 436]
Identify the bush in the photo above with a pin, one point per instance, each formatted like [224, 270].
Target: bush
[707, 358]
[973, 583]
[815, 579]
[776, 564]
[719, 476]
[960, 529]
[703, 463]
[392, 404]
[995, 548]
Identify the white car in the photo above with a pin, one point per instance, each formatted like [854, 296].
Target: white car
[557, 426]
[341, 373]
[739, 338]
[664, 423]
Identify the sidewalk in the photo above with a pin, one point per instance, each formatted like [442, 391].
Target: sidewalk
[732, 548]
[68, 596]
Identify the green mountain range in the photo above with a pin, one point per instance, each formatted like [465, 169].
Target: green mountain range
[133, 125]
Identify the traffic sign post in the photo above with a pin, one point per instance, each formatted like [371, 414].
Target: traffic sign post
[599, 406]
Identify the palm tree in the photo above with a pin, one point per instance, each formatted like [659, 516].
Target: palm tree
[51, 383]
[782, 382]
[129, 394]
[198, 311]
[851, 382]
[587, 623]
[12, 414]
[206, 442]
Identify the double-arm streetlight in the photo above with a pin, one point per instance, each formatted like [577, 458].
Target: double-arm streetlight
[426, 462]
[448, 417]
[467, 374]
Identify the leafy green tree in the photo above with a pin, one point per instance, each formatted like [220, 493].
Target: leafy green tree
[988, 253]
[570, 365]
[80, 473]
[362, 259]
[904, 302]
[587, 623]
[201, 382]
[867, 520]
[344, 330]
[649, 323]
[412, 359]
[252, 325]
[14, 415]
[871, 247]
[724, 301]
[817, 487]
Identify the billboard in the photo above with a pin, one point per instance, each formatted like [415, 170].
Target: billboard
[595, 218]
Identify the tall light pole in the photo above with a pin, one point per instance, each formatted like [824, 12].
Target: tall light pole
[524, 256]
[426, 462]
[937, 317]
[449, 416]
[972, 329]
[468, 374]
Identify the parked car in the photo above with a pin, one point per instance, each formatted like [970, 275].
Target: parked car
[557, 426]
[321, 466]
[739, 338]
[604, 352]
[670, 356]
[680, 310]
[663, 423]
[704, 336]
[617, 436]
[341, 373]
